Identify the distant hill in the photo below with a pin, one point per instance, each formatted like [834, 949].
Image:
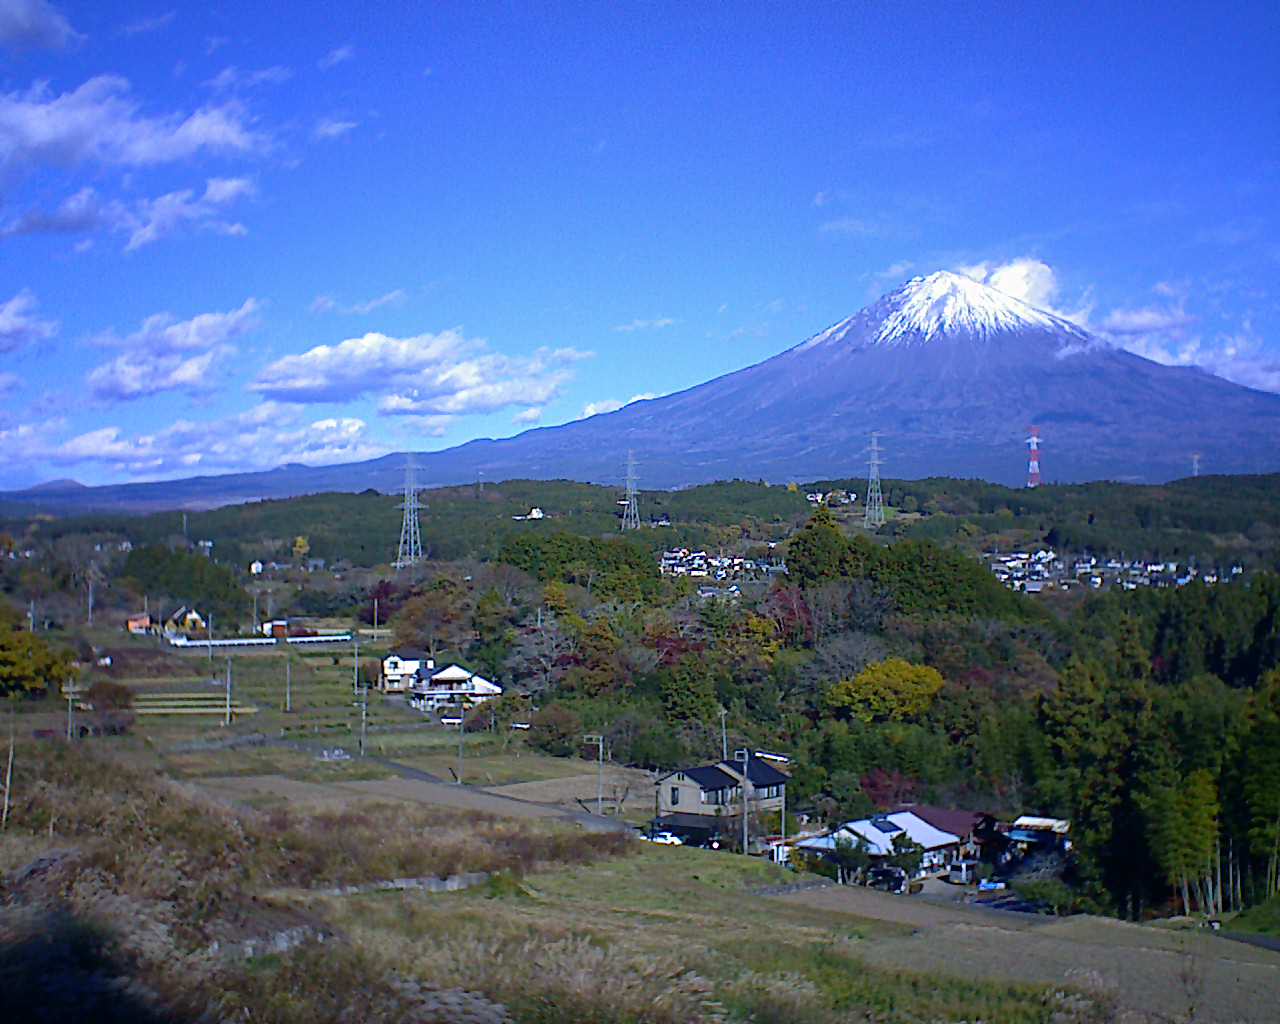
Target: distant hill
[951, 372]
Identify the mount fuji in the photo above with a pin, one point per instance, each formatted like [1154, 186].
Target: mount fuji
[950, 372]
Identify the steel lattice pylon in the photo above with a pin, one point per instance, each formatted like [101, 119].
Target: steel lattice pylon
[631, 513]
[410, 552]
[874, 515]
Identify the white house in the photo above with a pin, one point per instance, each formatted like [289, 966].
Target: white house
[878, 832]
[255, 568]
[452, 686]
[401, 667]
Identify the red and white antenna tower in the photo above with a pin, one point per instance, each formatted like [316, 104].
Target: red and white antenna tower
[1033, 457]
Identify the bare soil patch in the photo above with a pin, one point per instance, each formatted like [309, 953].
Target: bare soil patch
[629, 789]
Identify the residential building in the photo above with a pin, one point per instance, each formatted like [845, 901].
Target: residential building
[401, 666]
[701, 802]
[450, 687]
[140, 625]
[185, 620]
[877, 835]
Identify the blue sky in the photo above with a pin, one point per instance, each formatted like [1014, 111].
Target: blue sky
[236, 235]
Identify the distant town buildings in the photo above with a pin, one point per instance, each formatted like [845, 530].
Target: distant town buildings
[1044, 569]
[700, 565]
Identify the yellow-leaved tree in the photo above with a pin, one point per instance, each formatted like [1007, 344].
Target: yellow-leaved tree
[890, 690]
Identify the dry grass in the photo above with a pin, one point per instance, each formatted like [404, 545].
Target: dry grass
[154, 873]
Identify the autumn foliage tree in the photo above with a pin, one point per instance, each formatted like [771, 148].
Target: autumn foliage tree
[892, 690]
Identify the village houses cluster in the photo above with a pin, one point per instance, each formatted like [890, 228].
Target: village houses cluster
[700, 565]
[703, 806]
[1044, 569]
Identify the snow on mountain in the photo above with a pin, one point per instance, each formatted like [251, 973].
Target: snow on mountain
[943, 305]
[948, 370]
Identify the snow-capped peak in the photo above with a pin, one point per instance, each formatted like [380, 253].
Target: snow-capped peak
[943, 304]
[946, 303]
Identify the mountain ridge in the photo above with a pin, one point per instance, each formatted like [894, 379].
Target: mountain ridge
[948, 370]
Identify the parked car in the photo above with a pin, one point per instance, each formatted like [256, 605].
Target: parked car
[663, 839]
[889, 879]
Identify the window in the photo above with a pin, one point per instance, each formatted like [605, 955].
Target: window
[675, 795]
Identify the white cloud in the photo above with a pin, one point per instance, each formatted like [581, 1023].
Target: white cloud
[1031, 280]
[1145, 320]
[612, 404]
[167, 214]
[328, 304]
[152, 24]
[76, 214]
[822, 198]
[332, 128]
[265, 436]
[149, 372]
[526, 417]
[430, 374]
[890, 277]
[100, 121]
[149, 220]
[655, 324]
[851, 227]
[166, 354]
[1238, 357]
[198, 334]
[19, 324]
[335, 57]
[9, 383]
[35, 25]
[230, 78]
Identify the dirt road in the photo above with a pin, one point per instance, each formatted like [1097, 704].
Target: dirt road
[415, 790]
[1182, 976]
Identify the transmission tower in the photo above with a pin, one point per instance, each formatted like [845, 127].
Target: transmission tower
[410, 552]
[874, 514]
[631, 511]
[1195, 463]
[1033, 457]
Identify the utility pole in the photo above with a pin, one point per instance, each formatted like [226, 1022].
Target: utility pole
[90, 585]
[462, 720]
[31, 615]
[208, 629]
[724, 735]
[227, 720]
[255, 613]
[598, 740]
[71, 697]
[375, 618]
[782, 822]
[744, 755]
[355, 664]
[364, 717]
[288, 681]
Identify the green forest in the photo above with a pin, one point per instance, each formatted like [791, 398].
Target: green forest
[890, 666]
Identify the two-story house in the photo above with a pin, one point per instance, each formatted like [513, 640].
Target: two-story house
[401, 667]
[451, 687]
[703, 802]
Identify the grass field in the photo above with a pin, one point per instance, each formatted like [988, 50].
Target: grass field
[1264, 919]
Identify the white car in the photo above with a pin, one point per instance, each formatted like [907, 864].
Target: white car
[663, 839]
